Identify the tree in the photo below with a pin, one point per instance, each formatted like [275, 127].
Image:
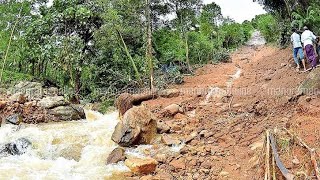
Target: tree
[186, 12]
[310, 18]
[149, 42]
[14, 19]
[68, 30]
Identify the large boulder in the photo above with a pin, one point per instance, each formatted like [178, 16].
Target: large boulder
[18, 147]
[138, 126]
[65, 113]
[141, 166]
[124, 102]
[52, 102]
[51, 91]
[311, 85]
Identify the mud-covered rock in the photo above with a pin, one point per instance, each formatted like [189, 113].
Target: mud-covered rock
[172, 110]
[138, 126]
[124, 102]
[18, 147]
[141, 166]
[178, 164]
[169, 93]
[164, 175]
[169, 140]
[116, 156]
[161, 157]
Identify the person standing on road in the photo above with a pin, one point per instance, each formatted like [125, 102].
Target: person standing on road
[307, 39]
[297, 49]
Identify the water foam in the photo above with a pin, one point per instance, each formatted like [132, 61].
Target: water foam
[67, 150]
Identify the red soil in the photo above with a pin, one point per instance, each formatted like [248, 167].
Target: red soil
[264, 97]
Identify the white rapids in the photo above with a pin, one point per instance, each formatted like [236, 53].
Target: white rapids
[65, 150]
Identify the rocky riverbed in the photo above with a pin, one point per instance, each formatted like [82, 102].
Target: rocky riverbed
[30, 102]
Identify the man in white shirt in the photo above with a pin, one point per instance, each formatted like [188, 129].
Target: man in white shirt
[308, 39]
[297, 48]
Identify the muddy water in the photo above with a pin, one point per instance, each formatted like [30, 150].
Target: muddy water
[68, 150]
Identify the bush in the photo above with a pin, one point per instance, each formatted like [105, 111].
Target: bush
[221, 56]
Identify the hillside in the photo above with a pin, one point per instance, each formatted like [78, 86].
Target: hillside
[263, 96]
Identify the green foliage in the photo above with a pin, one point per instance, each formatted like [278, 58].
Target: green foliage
[11, 77]
[101, 44]
[221, 56]
[169, 45]
[201, 47]
[310, 18]
[268, 26]
[286, 14]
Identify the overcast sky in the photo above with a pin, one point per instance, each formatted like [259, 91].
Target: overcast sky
[239, 10]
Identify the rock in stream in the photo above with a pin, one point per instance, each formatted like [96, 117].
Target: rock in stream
[18, 147]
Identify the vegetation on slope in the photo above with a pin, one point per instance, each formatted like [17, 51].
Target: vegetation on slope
[117, 44]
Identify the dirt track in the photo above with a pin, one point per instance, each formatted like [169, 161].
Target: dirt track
[231, 128]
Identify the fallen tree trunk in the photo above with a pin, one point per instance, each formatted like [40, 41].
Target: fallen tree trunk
[126, 101]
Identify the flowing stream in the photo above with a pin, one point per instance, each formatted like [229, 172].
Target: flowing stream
[64, 150]
[71, 150]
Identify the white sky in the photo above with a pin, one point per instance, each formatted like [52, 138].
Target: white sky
[239, 10]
